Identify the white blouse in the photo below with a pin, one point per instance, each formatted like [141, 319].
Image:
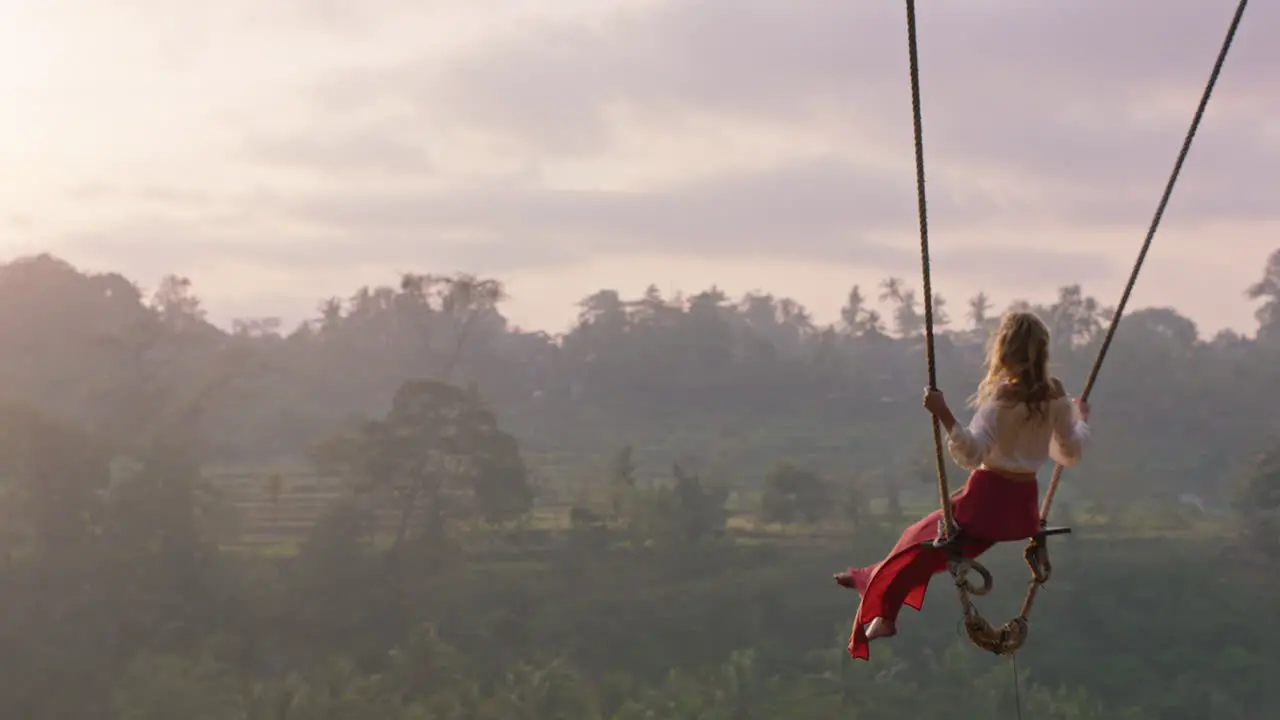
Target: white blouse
[1004, 436]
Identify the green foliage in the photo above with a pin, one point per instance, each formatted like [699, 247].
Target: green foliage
[128, 590]
[795, 494]
[438, 452]
[682, 513]
[163, 687]
[1259, 501]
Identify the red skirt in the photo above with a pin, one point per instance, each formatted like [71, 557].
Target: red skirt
[991, 509]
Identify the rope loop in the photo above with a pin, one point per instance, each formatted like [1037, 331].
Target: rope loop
[1011, 636]
[1004, 640]
[960, 570]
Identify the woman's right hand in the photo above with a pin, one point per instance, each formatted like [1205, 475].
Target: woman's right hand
[935, 402]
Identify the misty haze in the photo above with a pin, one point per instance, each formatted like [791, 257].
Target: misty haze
[480, 360]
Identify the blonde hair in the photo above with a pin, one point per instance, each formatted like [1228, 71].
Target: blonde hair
[1018, 364]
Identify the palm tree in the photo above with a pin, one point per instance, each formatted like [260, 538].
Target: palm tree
[873, 323]
[940, 316]
[330, 314]
[851, 313]
[1268, 290]
[906, 319]
[891, 289]
[979, 310]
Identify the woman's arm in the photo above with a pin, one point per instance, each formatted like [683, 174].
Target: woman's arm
[969, 445]
[1070, 432]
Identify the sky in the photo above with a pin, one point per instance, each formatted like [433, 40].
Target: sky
[281, 152]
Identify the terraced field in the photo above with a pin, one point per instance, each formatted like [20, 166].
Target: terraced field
[264, 519]
[267, 519]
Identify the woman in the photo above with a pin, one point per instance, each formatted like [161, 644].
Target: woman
[1022, 418]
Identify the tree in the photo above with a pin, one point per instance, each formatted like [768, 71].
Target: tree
[117, 598]
[164, 510]
[699, 510]
[162, 687]
[261, 327]
[606, 309]
[1258, 502]
[851, 315]
[177, 306]
[463, 300]
[622, 479]
[56, 474]
[331, 315]
[940, 317]
[439, 451]
[1268, 291]
[979, 311]
[793, 493]
[1074, 319]
[907, 319]
[873, 324]
[891, 290]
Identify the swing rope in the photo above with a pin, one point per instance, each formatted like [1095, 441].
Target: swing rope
[1151, 233]
[944, 494]
[1007, 639]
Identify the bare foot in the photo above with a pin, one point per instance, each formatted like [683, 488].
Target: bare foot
[845, 580]
[881, 628]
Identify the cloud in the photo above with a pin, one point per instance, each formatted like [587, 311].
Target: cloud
[211, 256]
[358, 153]
[1049, 98]
[728, 130]
[1090, 99]
[817, 209]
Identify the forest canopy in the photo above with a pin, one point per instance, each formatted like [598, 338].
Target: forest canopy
[406, 507]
